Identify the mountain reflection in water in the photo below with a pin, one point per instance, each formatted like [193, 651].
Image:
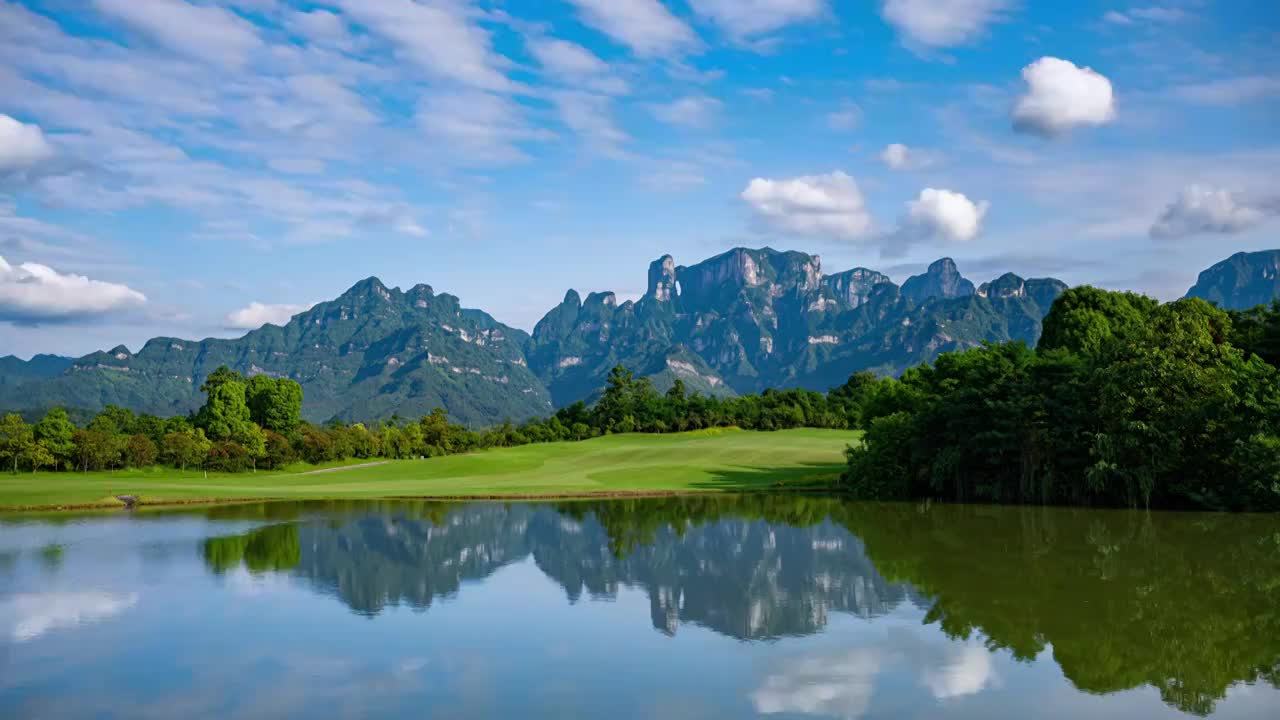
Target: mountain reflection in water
[1187, 604]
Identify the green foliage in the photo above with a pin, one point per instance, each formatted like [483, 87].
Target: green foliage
[1126, 402]
[225, 414]
[54, 434]
[274, 403]
[16, 440]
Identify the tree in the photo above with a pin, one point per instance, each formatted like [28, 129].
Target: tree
[16, 438]
[54, 433]
[225, 414]
[181, 449]
[141, 451]
[222, 375]
[274, 403]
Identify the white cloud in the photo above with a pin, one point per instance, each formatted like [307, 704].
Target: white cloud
[256, 314]
[1201, 210]
[897, 156]
[820, 205]
[696, 111]
[846, 118]
[477, 127]
[22, 146]
[958, 671]
[827, 685]
[34, 614]
[743, 18]
[1231, 91]
[576, 65]
[1154, 14]
[940, 215]
[32, 293]
[591, 117]
[1060, 97]
[438, 37]
[645, 26]
[942, 23]
[207, 33]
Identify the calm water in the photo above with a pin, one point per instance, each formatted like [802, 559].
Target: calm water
[705, 608]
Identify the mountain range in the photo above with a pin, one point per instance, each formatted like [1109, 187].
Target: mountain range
[740, 322]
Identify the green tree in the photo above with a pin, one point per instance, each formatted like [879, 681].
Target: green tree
[16, 439]
[141, 451]
[219, 376]
[54, 433]
[274, 403]
[225, 414]
[184, 449]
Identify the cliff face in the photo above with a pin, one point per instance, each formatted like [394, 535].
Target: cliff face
[1241, 281]
[740, 322]
[750, 319]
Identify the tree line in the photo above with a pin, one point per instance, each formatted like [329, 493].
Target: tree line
[1124, 402]
[248, 423]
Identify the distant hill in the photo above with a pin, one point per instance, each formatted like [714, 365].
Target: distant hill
[1241, 281]
[14, 371]
[740, 322]
[370, 353]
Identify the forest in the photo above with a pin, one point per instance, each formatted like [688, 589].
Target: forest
[1124, 402]
[252, 423]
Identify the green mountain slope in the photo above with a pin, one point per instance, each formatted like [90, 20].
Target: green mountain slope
[1241, 281]
[370, 353]
[748, 319]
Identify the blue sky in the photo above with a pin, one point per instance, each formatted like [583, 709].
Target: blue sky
[191, 167]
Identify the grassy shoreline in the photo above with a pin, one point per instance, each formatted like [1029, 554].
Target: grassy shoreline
[614, 466]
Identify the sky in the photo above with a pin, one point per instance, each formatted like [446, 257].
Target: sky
[195, 168]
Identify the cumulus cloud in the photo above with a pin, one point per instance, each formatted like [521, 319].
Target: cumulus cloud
[1204, 210]
[743, 18]
[897, 156]
[207, 33]
[838, 685]
[942, 23]
[819, 205]
[34, 614]
[31, 294]
[22, 146]
[957, 672]
[256, 314]
[645, 26]
[1061, 97]
[691, 111]
[937, 215]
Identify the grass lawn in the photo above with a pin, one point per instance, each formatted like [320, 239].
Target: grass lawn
[728, 460]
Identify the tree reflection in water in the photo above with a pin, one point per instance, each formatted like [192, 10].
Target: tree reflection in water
[1186, 603]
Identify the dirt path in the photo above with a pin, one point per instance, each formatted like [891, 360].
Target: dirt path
[344, 467]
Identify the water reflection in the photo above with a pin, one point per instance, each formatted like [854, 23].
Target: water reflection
[840, 607]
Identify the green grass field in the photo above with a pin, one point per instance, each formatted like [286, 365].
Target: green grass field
[728, 460]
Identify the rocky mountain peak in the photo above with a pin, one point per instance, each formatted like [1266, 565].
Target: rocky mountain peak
[1007, 285]
[854, 286]
[942, 280]
[572, 298]
[662, 279]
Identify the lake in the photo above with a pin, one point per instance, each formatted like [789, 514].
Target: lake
[703, 607]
